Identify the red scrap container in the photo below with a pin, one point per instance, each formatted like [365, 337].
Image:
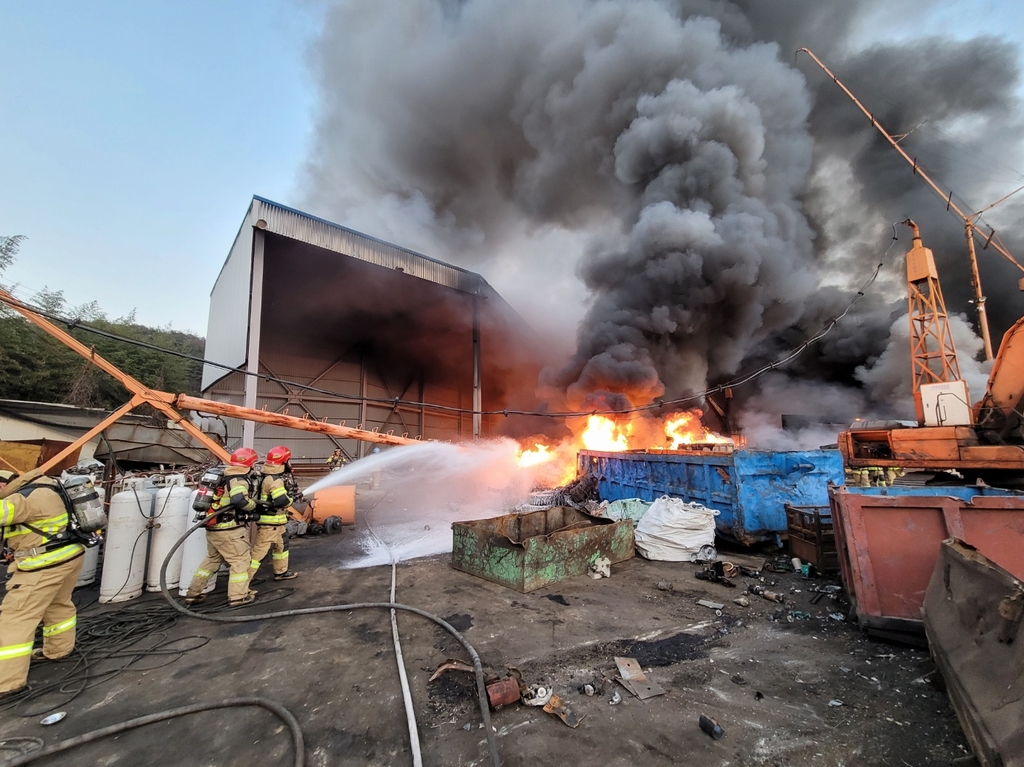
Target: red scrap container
[888, 541]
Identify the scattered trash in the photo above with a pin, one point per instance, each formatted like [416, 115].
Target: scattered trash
[845, 670]
[452, 664]
[707, 553]
[729, 570]
[742, 601]
[502, 692]
[616, 699]
[795, 561]
[467, 726]
[536, 695]
[711, 727]
[737, 679]
[593, 687]
[799, 615]
[749, 572]
[563, 711]
[758, 695]
[715, 573]
[53, 718]
[709, 604]
[835, 703]
[837, 616]
[817, 598]
[633, 679]
[762, 592]
[664, 586]
[600, 568]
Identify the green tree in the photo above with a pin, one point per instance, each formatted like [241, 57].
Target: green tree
[34, 366]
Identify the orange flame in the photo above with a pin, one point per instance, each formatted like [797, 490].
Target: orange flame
[686, 429]
[540, 454]
[606, 435]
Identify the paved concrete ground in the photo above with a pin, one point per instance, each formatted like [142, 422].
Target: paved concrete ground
[336, 673]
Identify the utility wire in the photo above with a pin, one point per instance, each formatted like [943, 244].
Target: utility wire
[395, 402]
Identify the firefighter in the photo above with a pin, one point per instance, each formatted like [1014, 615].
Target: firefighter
[32, 518]
[5, 477]
[274, 505]
[227, 535]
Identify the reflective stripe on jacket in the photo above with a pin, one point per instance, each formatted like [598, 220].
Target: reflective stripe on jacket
[235, 495]
[37, 506]
[274, 499]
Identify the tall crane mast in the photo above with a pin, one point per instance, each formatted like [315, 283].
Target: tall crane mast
[932, 352]
[970, 219]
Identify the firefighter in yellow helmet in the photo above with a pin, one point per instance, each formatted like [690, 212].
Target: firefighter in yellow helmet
[227, 537]
[34, 520]
[274, 504]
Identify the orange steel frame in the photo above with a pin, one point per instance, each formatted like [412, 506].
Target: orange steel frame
[169, 404]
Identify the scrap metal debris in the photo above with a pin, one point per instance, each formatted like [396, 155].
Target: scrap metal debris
[600, 568]
[711, 727]
[563, 711]
[632, 677]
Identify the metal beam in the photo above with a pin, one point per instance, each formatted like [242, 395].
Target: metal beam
[477, 399]
[96, 430]
[158, 399]
[186, 402]
[252, 363]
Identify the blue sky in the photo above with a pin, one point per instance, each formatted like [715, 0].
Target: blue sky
[132, 135]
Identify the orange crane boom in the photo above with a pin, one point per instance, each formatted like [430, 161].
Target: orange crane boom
[170, 404]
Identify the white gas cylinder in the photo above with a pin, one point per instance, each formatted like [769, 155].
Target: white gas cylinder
[126, 542]
[92, 558]
[194, 550]
[172, 511]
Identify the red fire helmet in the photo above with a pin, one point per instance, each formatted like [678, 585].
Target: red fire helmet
[244, 456]
[278, 456]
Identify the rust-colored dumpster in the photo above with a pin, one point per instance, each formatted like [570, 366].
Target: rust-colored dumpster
[889, 539]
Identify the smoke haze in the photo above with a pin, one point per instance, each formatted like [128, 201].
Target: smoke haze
[665, 169]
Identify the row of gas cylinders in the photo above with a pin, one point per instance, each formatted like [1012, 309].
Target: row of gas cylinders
[143, 523]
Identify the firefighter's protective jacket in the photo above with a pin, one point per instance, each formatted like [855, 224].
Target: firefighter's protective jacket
[274, 498]
[235, 495]
[32, 520]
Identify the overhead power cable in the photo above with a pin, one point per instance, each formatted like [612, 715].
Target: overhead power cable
[394, 402]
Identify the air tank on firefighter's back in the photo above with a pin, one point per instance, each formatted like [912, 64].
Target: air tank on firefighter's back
[193, 553]
[124, 552]
[171, 513]
[91, 558]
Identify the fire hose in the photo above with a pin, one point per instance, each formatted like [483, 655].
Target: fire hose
[162, 716]
[478, 670]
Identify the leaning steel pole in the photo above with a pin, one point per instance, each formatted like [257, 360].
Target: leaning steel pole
[968, 219]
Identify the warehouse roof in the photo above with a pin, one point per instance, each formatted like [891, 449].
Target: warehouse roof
[279, 219]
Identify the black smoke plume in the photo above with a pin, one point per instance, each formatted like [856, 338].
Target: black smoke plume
[716, 199]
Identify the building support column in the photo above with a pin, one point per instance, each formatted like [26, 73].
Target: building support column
[477, 399]
[255, 317]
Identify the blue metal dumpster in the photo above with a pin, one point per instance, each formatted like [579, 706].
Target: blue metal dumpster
[748, 487]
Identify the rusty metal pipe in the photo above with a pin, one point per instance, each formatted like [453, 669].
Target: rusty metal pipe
[185, 402]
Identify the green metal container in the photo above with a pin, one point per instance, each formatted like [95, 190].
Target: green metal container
[528, 551]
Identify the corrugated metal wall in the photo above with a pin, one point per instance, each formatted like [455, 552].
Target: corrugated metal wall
[345, 378]
[314, 231]
[227, 329]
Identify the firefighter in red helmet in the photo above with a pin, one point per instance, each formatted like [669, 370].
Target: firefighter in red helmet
[227, 537]
[274, 503]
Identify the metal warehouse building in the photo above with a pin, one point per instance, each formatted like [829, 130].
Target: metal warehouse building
[364, 322]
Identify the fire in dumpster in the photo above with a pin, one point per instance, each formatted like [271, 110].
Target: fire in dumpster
[555, 464]
[684, 429]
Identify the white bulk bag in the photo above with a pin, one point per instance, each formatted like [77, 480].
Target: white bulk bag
[674, 531]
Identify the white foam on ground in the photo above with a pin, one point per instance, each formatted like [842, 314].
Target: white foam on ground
[421, 490]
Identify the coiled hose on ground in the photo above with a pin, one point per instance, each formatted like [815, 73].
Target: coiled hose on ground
[131, 724]
[478, 670]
